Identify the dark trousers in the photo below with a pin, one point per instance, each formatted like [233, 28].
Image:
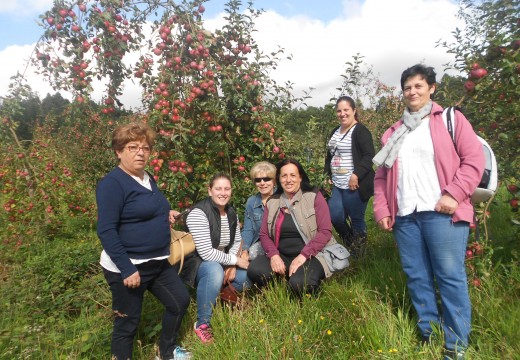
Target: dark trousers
[306, 280]
[162, 281]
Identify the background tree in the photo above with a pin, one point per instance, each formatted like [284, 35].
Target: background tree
[487, 49]
[208, 94]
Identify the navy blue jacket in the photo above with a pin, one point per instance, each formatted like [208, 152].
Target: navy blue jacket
[133, 222]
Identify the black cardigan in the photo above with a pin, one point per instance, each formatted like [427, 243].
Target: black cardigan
[362, 154]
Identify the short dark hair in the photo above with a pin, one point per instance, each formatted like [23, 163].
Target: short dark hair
[306, 183]
[351, 102]
[427, 73]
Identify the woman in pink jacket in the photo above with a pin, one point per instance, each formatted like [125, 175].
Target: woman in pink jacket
[423, 186]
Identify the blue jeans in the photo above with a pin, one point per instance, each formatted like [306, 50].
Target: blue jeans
[347, 204]
[160, 279]
[432, 250]
[210, 277]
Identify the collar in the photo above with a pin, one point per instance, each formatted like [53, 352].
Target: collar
[295, 199]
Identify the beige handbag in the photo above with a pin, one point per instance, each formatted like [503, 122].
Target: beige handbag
[181, 246]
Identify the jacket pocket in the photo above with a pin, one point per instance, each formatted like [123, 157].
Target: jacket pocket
[310, 220]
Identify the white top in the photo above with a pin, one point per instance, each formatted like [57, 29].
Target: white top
[105, 260]
[342, 162]
[198, 224]
[418, 184]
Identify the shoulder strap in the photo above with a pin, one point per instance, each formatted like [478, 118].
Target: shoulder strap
[447, 115]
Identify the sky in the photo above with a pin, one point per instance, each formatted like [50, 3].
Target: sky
[321, 36]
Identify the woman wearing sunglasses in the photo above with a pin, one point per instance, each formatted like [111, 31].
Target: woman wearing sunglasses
[263, 175]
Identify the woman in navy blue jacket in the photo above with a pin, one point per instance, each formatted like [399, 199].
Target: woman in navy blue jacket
[134, 228]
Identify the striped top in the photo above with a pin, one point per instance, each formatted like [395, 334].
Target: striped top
[198, 224]
[342, 163]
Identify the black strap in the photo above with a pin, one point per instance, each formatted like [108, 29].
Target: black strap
[340, 140]
[449, 125]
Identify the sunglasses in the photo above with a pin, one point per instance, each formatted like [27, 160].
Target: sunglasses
[265, 179]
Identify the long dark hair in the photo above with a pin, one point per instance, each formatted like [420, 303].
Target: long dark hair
[306, 183]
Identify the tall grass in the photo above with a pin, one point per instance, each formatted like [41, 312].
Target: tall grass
[55, 304]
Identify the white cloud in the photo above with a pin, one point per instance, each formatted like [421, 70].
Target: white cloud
[15, 59]
[392, 35]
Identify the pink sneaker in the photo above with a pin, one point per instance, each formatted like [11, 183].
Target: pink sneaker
[204, 333]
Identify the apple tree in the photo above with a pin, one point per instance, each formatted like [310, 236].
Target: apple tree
[207, 92]
[488, 51]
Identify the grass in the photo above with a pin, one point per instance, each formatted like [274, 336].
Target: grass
[56, 305]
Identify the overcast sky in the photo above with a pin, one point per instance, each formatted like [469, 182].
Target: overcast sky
[321, 35]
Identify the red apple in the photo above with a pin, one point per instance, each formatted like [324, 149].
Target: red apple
[469, 86]
[478, 73]
[512, 188]
[514, 203]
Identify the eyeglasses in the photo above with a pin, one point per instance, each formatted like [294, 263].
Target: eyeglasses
[265, 179]
[136, 148]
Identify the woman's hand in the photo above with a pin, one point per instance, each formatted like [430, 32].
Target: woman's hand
[353, 183]
[277, 265]
[173, 214]
[296, 263]
[245, 255]
[384, 223]
[446, 204]
[242, 263]
[229, 274]
[133, 281]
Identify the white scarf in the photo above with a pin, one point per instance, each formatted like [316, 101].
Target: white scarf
[411, 120]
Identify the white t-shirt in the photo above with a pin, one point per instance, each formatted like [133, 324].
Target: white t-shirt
[418, 184]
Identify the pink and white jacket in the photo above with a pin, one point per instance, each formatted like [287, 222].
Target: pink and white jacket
[459, 170]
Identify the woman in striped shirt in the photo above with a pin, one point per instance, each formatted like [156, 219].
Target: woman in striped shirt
[349, 165]
[213, 224]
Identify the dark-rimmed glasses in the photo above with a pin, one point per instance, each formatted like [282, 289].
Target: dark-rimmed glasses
[265, 179]
[136, 148]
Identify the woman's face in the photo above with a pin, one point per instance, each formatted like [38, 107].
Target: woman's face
[220, 192]
[264, 183]
[345, 114]
[290, 179]
[134, 157]
[417, 92]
